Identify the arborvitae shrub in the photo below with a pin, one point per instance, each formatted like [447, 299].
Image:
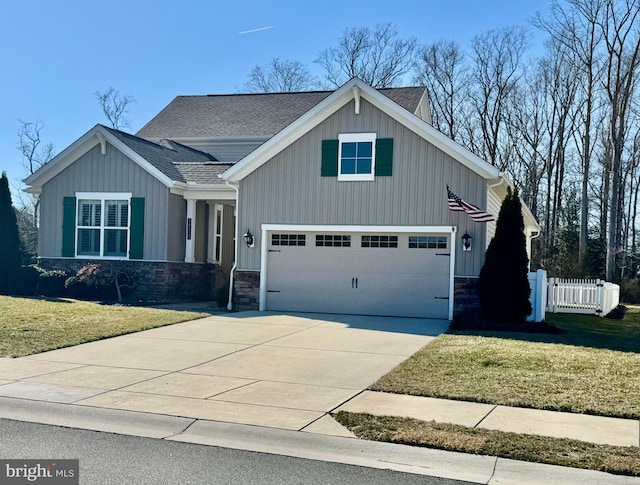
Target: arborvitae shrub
[503, 286]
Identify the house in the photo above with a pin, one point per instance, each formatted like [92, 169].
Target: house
[327, 201]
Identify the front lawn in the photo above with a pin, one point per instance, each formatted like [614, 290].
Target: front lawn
[566, 372]
[33, 325]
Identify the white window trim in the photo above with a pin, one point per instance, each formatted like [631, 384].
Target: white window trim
[217, 244]
[357, 137]
[102, 197]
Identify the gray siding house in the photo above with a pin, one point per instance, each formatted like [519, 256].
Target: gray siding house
[328, 201]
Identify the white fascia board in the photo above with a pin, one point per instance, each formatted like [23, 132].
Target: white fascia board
[429, 133]
[63, 159]
[529, 220]
[333, 103]
[81, 146]
[139, 160]
[291, 133]
[203, 191]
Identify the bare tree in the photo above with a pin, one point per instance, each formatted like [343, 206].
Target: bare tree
[34, 155]
[284, 76]
[527, 129]
[441, 68]
[573, 25]
[498, 57]
[115, 106]
[621, 36]
[378, 56]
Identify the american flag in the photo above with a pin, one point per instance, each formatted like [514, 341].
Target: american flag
[456, 204]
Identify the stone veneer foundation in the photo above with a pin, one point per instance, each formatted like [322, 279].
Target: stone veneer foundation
[247, 293]
[246, 290]
[158, 282]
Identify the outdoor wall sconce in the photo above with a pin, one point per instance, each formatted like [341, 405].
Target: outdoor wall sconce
[466, 242]
[248, 238]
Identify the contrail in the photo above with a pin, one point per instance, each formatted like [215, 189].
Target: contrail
[256, 30]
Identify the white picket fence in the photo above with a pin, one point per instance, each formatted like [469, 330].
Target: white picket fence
[596, 297]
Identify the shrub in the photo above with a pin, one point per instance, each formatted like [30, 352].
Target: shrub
[79, 289]
[24, 281]
[10, 257]
[630, 291]
[105, 282]
[503, 286]
[222, 296]
[52, 283]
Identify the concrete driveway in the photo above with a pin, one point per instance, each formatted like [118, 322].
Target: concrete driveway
[268, 369]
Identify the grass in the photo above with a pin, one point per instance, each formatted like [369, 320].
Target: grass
[582, 370]
[540, 449]
[33, 325]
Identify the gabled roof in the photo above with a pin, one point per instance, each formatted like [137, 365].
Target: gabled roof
[356, 88]
[165, 154]
[168, 161]
[248, 115]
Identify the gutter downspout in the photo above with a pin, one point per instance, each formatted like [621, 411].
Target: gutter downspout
[235, 260]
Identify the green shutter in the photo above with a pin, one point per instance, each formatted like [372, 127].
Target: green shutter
[329, 158]
[137, 228]
[69, 227]
[384, 157]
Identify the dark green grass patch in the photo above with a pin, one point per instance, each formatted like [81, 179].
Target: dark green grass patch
[33, 325]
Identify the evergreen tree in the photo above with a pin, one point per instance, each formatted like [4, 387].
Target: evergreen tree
[503, 286]
[10, 258]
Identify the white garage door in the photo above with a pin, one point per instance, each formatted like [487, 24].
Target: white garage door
[369, 274]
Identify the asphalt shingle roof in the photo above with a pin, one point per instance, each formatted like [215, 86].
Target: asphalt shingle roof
[247, 115]
[178, 162]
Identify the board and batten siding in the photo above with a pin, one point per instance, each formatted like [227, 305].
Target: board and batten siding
[177, 221]
[288, 189]
[225, 150]
[113, 172]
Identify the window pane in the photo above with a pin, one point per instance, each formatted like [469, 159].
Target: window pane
[117, 212]
[115, 242]
[89, 242]
[89, 212]
[365, 149]
[348, 166]
[349, 149]
[364, 165]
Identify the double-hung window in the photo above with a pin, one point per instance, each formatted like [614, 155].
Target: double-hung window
[356, 156]
[103, 225]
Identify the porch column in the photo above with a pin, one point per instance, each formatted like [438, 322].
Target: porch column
[211, 232]
[189, 254]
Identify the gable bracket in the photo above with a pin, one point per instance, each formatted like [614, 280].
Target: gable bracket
[356, 99]
[103, 143]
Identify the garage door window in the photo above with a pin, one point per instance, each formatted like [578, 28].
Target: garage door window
[333, 241]
[288, 240]
[379, 241]
[428, 242]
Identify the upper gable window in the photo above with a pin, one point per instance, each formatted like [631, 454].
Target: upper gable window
[356, 156]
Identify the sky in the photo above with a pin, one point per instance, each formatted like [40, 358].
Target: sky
[54, 55]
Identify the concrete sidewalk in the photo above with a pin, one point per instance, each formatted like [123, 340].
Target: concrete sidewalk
[284, 373]
[593, 429]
